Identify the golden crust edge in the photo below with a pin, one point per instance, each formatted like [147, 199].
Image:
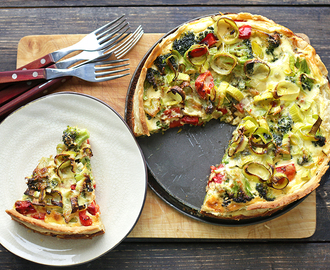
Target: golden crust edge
[59, 231]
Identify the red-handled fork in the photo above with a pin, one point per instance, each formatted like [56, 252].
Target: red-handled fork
[91, 72]
[120, 46]
[15, 98]
[96, 40]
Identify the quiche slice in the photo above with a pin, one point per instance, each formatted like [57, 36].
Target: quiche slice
[60, 195]
[253, 73]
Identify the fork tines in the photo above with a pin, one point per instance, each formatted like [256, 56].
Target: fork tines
[105, 68]
[129, 43]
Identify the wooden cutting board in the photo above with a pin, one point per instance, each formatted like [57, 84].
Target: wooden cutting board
[159, 220]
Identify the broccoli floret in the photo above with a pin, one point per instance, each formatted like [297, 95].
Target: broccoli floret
[284, 125]
[154, 78]
[203, 34]
[238, 195]
[320, 141]
[306, 82]
[273, 42]
[302, 65]
[242, 50]
[184, 43]
[73, 137]
[263, 191]
[161, 63]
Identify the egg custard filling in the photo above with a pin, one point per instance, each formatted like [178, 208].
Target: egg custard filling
[250, 72]
[60, 195]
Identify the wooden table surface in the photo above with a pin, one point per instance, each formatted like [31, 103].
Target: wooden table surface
[50, 17]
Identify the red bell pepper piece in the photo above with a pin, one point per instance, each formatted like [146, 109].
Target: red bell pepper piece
[24, 207]
[198, 52]
[204, 84]
[245, 32]
[93, 208]
[85, 219]
[39, 216]
[191, 120]
[289, 170]
[209, 40]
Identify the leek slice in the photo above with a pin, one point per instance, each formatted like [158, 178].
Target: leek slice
[306, 175]
[227, 30]
[279, 180]
[286, 91]
[266, 96]
[304, 131]
[304, 106]
[171, 99]
[256, 69]
[235, 92]
[264, 134]
[295, 139]
[238, 144]
[249, 124]
[257, 50]
[257, 171]
[296, 114]
[183, 77]
[152, 106]
[288, 64]
[223, 63]
[199, 60]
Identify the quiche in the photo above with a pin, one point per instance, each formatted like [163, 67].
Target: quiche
[250, 72]
[60, 195]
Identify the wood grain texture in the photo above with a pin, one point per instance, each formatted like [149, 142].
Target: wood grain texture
[35, 17]
[17, 22]
[158, 220]
[140, 3]
[198, 255]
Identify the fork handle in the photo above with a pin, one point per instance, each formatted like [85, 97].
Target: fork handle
[41, 62]
[35, 92]
[22, 75]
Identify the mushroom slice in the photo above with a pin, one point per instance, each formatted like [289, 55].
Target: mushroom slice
[257, 170]
[56, 198]
[74, 204]
[256, 69]
[178, 90]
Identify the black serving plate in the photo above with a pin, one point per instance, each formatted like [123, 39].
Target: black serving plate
[179, 161]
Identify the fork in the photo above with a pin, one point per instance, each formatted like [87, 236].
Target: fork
[99, 39]
[18, 88]
[34, 92]
[96, 40]
[99, 70]
[102, 54]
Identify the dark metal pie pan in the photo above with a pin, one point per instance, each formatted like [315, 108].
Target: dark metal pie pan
[179, 161]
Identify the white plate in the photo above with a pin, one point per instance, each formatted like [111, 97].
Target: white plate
[118, 166]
